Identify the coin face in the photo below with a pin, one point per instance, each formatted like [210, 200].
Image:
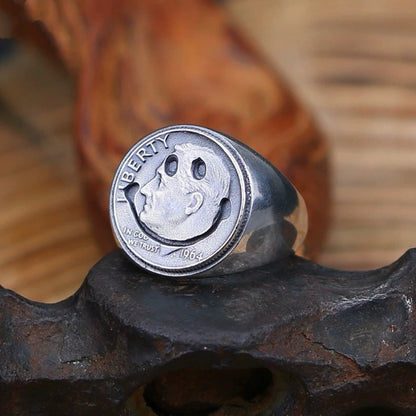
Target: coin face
[180, 200]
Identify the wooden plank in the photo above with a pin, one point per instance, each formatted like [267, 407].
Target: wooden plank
[355, 63]
[46, 247]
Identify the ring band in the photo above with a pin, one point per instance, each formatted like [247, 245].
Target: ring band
[187, 200]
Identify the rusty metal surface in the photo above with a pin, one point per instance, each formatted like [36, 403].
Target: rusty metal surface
[284, 339]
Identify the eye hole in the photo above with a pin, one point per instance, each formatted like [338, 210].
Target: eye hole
[171, 165]
[199, 168]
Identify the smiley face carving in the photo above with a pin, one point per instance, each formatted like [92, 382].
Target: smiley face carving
[184, 198]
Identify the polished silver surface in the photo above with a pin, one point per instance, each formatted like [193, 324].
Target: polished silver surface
[188, 200]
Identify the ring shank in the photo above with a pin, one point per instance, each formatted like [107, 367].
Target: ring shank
[278, 219]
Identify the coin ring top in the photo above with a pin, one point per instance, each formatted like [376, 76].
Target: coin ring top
[180, 200]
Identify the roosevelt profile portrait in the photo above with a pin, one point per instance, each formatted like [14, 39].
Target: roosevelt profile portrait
[184, 199]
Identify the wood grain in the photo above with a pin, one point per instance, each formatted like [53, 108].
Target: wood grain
[354, 64]
[143, 64]
[46, 245]
[369, 121]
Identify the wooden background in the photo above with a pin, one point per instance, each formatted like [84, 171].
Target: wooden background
[354, 63]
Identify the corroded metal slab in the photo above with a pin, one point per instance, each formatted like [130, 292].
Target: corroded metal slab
[290, 338]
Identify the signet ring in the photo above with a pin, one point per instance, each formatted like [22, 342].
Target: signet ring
[190, 201]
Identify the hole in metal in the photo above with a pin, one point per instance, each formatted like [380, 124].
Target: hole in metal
[171, 165]
[199, 169]
[214, 392]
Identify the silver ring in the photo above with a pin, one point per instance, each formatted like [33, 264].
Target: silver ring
[187, 200]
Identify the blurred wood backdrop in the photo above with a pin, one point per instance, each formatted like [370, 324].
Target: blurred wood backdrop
[354, 63]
